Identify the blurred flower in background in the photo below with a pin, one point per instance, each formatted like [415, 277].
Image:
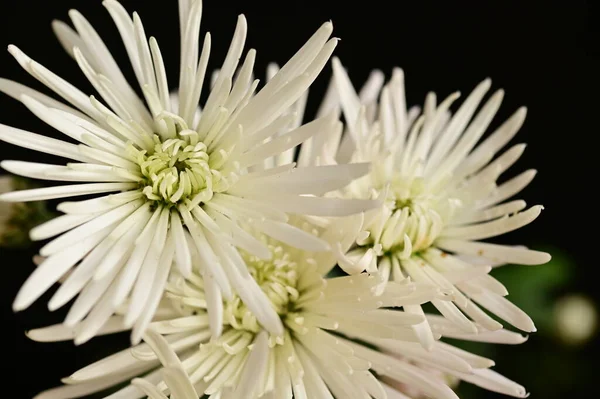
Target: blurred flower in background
[16, 219]
[576, 319]
[5, 208]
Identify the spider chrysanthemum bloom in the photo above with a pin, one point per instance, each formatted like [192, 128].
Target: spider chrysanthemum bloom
[441, 196]
[177, 173]
[341, 338]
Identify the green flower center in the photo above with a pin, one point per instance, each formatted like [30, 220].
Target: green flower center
[277, 277]
[412, 219]
[177, 171]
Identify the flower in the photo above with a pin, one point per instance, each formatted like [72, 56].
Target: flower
[576, 319]
[176, 177]
[440, 193]
[342, 338]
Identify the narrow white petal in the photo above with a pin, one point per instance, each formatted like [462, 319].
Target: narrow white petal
[494, 228]
[240, 237]
[291, 235]
[116, 363]
[64, 173]
[348, 96]
[392, 393]
[209, 263]
[474, 132]
[316, 206]
[494, 252]
[148, 388]
[457, 276]
[452, 313]
[82, 390]
[456, 126]
[405, 373]
[61, 332]
[68, 38]
[299, 62]
[261, 111]
[214, 305]
[236, 207]
[286, 141]
[316, 180]
[52, 269]
[148, 271]
[182, 252]
[58, 225]
[255, 365]
[79, 277]
[125, 26]
[492, 213]
[155, 293]
[189, 103]
[17, 90]
[39, 194]
[509, 188]
[229, 65]
[56, 83]
[436, 357]
[278, 125]
[100, 204]
[247, 288]
[506, 310]
[493, 143]
[423, 330]
[91, 295]
[474, 360]
[41, 143]
[179, 383]
[105, 62]
[99, 315]
[131, 270]
[100, 222]
[493, 381]
[449, 330]
[371, 88]
[190, 30]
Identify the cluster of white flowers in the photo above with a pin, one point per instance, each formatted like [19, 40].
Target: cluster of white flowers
[251, 269]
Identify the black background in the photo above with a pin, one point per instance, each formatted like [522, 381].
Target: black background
[542, 53]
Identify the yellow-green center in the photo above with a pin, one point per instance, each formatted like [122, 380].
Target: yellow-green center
[278, 279]
[175, 171]
[411, 220]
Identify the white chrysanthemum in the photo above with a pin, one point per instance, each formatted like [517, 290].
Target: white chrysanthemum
[341, 339]
[178, 174]
[441, 196]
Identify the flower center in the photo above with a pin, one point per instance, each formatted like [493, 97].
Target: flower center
[277, 277]
[413, 217]
[177, 170]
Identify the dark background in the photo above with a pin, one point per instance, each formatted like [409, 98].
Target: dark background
[542, 53]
